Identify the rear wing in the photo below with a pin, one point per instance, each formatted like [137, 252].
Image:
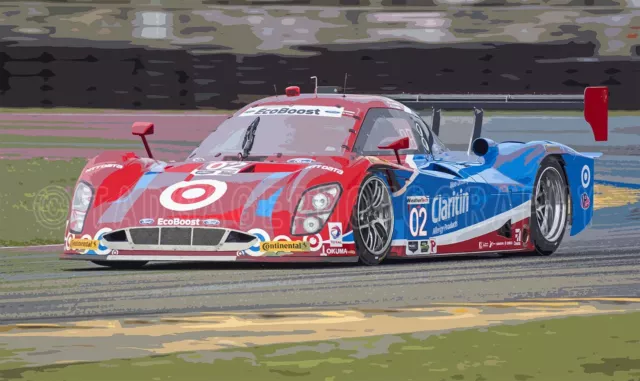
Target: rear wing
[594, 102]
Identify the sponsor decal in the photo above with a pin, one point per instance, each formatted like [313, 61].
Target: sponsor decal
[211, 222]
[102, 247]
[335, 234]
[334, 112]
[337, 251]
[221, 168]
[83, 244]
[254, 250]
[447, 207]
[421, 247]
[191, 195]
[412, 200]
[412, 247]
[301, 160]
[585, 176]
[418, 216]
[518, 236]
[454, 184]
[505, 243]
[585, 201]
[287, 246]
[315, 241]
[178, 222]
[483, 245]
[103, 166]
[327, 168]
[443, 228]
[146, 221]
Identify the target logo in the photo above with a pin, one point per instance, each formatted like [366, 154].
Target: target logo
[315, 241]
[585, 176]
[191, 195]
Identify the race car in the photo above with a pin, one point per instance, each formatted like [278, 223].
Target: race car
[331, 178]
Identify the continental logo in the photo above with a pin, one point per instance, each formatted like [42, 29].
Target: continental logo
[84, 244]
[277, 246]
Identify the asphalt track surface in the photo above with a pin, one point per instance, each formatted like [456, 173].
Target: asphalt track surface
[603, 261]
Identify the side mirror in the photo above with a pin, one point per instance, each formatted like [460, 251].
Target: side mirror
[142, 129]
[396, 145]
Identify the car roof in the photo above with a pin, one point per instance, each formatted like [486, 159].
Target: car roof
[358, 103]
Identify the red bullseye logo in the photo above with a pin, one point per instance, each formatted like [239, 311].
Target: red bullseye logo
[191, 195]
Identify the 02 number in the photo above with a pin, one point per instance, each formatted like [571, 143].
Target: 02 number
[417, 221]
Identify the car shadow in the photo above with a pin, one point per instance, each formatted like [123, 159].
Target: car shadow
[199, 266]
[226, 266]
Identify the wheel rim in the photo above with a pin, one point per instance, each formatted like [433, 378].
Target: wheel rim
[375, 216]
[551, 204]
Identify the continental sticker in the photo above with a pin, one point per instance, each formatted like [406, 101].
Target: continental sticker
[334, 112]
[83, 244]
[286, 246]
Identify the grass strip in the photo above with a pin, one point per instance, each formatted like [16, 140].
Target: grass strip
[602, 347]
[34, 199]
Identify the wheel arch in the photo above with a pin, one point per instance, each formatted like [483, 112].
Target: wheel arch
[579, 174]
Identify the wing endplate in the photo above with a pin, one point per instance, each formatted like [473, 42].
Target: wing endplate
[596, 111]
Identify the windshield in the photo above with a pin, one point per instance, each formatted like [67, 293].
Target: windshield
[295, 130]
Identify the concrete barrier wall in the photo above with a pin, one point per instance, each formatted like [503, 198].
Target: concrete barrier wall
[176, 79]
[223, 57]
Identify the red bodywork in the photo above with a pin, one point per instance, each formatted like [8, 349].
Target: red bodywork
[123, 199]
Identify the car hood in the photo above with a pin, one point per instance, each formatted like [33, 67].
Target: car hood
[236, 195]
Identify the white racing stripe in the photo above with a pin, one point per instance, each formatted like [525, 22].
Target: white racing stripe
[487, 226]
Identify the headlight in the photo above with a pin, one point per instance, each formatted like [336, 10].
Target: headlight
[314, 208]
[320, 201]
[82, 198]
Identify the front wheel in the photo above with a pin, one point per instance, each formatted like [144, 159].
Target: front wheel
[122, 265]
[373, 221]
[549, 207]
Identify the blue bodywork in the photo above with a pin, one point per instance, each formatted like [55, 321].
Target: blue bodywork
[495, 188]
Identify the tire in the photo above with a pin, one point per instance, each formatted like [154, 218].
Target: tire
[122, 265]
[549, 207]
[372, 221]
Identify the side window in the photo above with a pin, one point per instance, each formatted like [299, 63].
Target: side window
[381, 124]
[435, 144]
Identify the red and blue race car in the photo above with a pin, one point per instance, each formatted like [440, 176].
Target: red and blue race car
[331, 177]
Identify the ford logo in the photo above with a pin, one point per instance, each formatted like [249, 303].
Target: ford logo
[301, 160]
[211, 222]
[146, 221]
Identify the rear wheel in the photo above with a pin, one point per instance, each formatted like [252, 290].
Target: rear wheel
[549, 207]
[373, 221]
[121, 264]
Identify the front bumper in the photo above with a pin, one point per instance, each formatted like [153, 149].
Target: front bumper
[185, 243]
